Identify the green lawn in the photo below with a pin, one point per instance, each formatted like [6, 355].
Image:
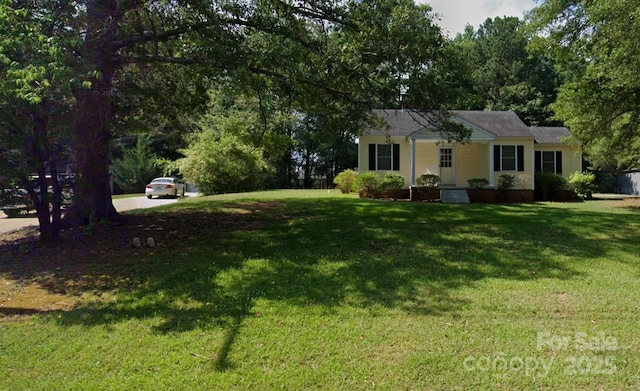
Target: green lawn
[312, 290]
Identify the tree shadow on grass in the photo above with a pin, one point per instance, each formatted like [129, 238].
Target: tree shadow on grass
[331, 254]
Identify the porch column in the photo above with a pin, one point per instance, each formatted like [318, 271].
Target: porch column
[492, 182]
[413, 162]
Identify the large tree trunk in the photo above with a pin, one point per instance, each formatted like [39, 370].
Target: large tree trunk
[92, 197]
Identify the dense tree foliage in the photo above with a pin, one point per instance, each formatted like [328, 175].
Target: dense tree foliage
[225, 155]
[137, 166]
[36, 86]
[503, 75]
[596, 44]
[335, 59]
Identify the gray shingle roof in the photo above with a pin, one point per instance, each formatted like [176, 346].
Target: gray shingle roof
[406, 122]
[549, 135]
[500, 123]
[400, 122]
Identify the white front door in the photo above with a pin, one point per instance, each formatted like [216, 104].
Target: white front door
[447, 169]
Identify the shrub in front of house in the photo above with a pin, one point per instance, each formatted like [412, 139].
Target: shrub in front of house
[583, 184]
[478, 183]
[346, 181]
[506, 183]
[368, 184]
[477, 191]
[391, 185]
[428, 180]
[550, 186]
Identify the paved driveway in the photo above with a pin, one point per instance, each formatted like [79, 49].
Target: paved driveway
[122, 204]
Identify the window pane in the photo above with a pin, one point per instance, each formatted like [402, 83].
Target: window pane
[384, 157]
[549, 161]
[446, 155]
[509, 158]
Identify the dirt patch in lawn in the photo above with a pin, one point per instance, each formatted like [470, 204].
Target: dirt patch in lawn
[630, 203]
[38, 279]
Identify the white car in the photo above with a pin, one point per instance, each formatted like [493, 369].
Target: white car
[165, 187]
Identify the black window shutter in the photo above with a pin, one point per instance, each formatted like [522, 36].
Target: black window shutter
[520, 149]
[538, 161]
[372, 157]
[396, 157]
[496, 158]
[558, 162]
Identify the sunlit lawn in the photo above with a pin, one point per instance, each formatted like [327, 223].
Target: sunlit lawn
[317, 290]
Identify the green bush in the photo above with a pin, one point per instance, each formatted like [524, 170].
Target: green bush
[583, 183]
[428, 180]
[223, 163]
[506, 183]
[391, 185]
[550, 186]
[137, 167]
[368, 184]
[346, 181]
[605, 182]
[478, 183]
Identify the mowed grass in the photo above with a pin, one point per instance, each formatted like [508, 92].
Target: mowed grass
[313, 290]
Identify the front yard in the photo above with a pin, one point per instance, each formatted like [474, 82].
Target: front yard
[316, 290]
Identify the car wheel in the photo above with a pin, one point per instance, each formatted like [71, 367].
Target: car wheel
[149, 196]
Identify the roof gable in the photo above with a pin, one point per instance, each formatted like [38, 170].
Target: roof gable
[500, 123]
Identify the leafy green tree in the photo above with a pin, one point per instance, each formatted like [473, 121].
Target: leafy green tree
[337, 59]
[595, 44]
[503, 75]
[35, 106]
[219, 162]
[137, 166]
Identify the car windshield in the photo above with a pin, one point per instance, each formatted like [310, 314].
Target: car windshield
[161, 181]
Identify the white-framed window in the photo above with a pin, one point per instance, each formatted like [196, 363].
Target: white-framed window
[384, 157]
[549, 161]
[446, 157]
[509, 160]
[508, 157]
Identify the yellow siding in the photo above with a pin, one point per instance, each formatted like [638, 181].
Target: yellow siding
[427, 159]
[524, 179]
[405, 155]
[571, 157]
[472, 161]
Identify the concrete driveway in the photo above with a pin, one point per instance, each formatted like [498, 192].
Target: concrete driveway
[121, 205]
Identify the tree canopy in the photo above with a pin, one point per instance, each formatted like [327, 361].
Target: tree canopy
[89, 59]
[596, 44]
[502, 74]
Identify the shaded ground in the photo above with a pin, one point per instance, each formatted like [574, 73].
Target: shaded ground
[37, 279]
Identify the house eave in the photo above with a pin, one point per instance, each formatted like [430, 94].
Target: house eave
[477, 133]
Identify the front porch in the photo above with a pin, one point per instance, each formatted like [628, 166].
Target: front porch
[456, 163]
